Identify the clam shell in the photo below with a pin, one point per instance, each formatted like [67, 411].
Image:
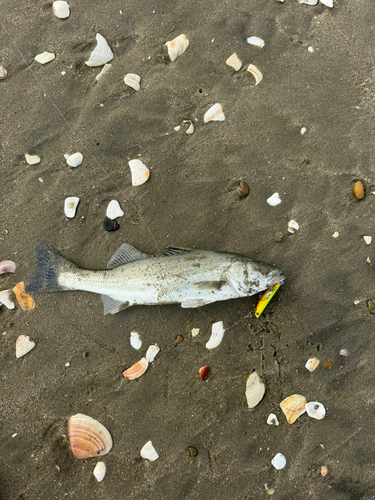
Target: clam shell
[99, 471]
[216, 335]
[315, 410]
[45, 57]
[25, 300]
[255, 390]
[140, 173]
[256, 73]
[74, 160]
[88, 437]
[312, 364]
[105, 69]
[114, 210]
[151, 353]
[274, 200]
[135, 340]
[5, 298]
[215, 114]
[32, 159]
[3, 73]
[61, 9]
[132, 80]
[136, 370]
[272, 419]
[293, 407]
[23, 345]
[70, 206]
[293, 226]
[234, 62]
[7, 266]
[279, 461]
[102, 53]
[149, 452]
[256, 41]
[177, 47]
[327, 3]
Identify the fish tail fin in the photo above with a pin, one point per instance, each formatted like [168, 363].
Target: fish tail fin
[49, 265]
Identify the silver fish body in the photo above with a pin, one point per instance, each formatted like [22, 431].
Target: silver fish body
[192, 278]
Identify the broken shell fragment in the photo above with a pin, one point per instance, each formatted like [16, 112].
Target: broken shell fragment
[110, 225]
[215, 114]
[323, 470]
[102, 53]
[88, 437]
[23, 345]
[194, 332]
[61, 9]
[105, 69]
[255, 390]
[368, 239]
[358, 190]
[343, 352]
[279, 461]
[256, 73]
[132, 80]
[177, 47]
[151, 353]
[256, 41]
[70, 206]
[327, 3]
[274, 200]
[216, 335]
[204, 372]
[99, 471]
[136, 370]
[25, 300]
[114, 210]
[308, 2]
[74, 160]
[45, 57]
[234, 62]
[5, 298]
[293, 226]
[190, 129]
[32, 159]
[272, 419]
[140, 173]
[149, 452]
[293, 407]
[315, 410]
[7, 266]
[312, 364]
[3, 73]
[135, 340]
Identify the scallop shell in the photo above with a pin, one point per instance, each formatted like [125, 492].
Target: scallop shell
[102, 53]
[99, 471]
[32, 159]
[25, 300]
[23, 345]
[105, 69]
[327, 3]
[135, 340]
[279, 461]
[149, 452]
[256, 41]
[234, 62]
[272, 419]
[256, 73]
[151, 353]
[315, 410]
[293, 407]
[61, 9]
[7, 266]
[132, 80]
[5, 298]
[293, 226]
[215, 114]
[177, 47]
[255, 390]
[74, 160]
[312, 364]
[70, 206]
[216, 335]
[88, 437]
[140, 173]
[136, 370]
[274, 200]
[114, 210]
[3, 73]
[308, 2]
[45, 57]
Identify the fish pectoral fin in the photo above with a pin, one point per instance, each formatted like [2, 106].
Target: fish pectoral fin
[175, 251]
[209, 285]
[124, 254]
[113, 306]
[188, 303]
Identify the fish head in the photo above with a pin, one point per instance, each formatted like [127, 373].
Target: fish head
[247, 277]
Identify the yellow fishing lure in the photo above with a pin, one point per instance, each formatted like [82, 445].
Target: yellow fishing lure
[265, 298]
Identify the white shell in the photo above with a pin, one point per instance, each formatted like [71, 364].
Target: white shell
[308, 2]
[70, 206]
[105, 69]
[293, 226]
[311, 50]
[45, 57]
[140, 173]
[272, 419]
[368, 239]
[274, 200]
[312, 364]
[135, 340]
[101, 54]
[256, 73]
[132, 80]
[151, 353]
[3, 73]
[215, 113]
[216, 335]
[335, 234]
[74, 160]
[149, 452]
[23, 345]
[255, 390]
[5, 298]
[327, 3]
[279, 461]
[194, 332]
[114, 210]
[255, 40]
[177, 128]
[177, 47]
[32, 159]
[190, 129]
[315, 410]
[99, 471]
[61, 9]
[303, 130]
[234, 62]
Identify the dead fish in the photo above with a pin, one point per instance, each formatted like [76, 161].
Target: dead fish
[192, 278]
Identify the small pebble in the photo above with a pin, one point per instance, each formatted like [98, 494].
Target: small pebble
[323, 471]
[110, 225]
[193, 452]
[271, 491]
[3, 73]
[358, 190]
[180, 338]
[335, 234]
[278, 236]
[194, 332]
[243, 189]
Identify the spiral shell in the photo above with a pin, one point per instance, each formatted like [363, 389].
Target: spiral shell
[88, 437]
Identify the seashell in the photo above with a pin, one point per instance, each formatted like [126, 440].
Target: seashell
[132, 80]
[234, 62]
[328, 363]
[323, 470]
[327, 3]
[216, 335]
[105, 69]
[272, 419]
[358, 190]
[74, 160]
[311, 50]
[274, 200]
[45, 57]
[88, 437]
[61, 9]
[177, 47]
[25, 300]
[343, 352]
[193, 452]
[256, 41]
[279, 461]
[114, 210]
[110, 225]
[256, 73]
[70, 206]
[190, 129]
[255, 390]
[194, 332]
[177, 128]
[204, 372]
[5, 298]
[293, 226]
[140, 173]
[99, 471]
[312, 364]
[135, 340]
[32, 159]
[368, 239]
[102, 53]
[3, 73]
[215, 114]
[149, 452]
[243, 189]
[335, 234]
[315, 410]
[303, 131]
[151, 353]
[23, 345]
[293, 407]
[136, 370]
[7, 266]
[309, 2]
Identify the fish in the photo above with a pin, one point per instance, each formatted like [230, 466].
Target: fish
[192, 278]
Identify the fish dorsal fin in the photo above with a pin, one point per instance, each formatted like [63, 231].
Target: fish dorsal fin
[175, 251]
[126, 253]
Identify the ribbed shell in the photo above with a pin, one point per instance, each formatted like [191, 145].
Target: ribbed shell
[88, 437]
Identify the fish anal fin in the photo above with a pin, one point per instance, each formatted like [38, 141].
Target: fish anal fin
[190, 303]
[125, 254]
[113, 306]
[175, 251]
[209, 285]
